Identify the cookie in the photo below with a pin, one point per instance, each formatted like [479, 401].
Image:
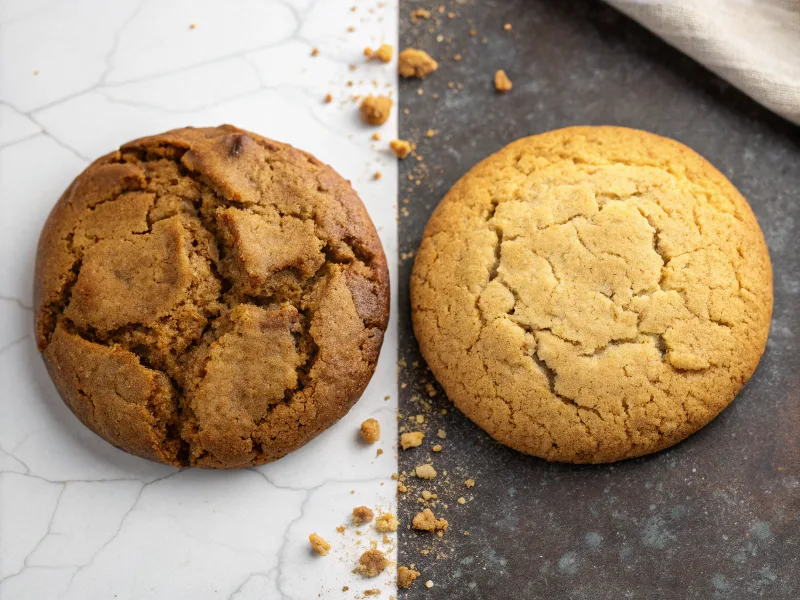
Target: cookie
[592, 294]
[210, 297]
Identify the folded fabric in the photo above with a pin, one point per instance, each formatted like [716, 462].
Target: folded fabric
[753, 44]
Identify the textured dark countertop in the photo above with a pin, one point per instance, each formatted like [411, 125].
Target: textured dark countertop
[717, 516]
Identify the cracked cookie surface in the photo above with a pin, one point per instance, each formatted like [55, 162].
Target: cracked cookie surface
[210, 297]
[592, 294]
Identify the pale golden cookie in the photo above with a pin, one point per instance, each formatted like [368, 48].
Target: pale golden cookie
[592, 294]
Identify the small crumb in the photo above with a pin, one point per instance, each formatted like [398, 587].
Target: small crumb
[378, 452]
[352, 67]
[507, 26]
[377, 137]
[372, 592]
[426, 471]
[315, 52]
[370, 431]
[426, 495]
[420, 14]
[351, 29]
[372, 563]
[401, 487]
[36, 72]
[441, 434]
[328, 98]
[457, 57]
[401, 148]
[473, 32]
[415, 63]
[437, 448]
[451, 15]
[429, 584]
[345, 588]
[383, 53]
[406, 576]
[362, 514]
[375, 109]
[193, 26]
[411, 439]
[461, 500]
[431, 133]
[319, 545]
[440, 38]
[469, 483]
[340, 529]
[501, 82]
[386, 522]
[420, 91]
[377, 175]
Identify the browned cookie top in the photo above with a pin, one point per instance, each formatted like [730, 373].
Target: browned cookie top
[210, 297]
[592, 293]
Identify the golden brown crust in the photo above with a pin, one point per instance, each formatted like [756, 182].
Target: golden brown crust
[592, 294]
[210, 297]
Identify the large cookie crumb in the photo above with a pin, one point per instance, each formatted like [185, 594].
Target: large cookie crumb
[415, 63]
[318, 544]
[372, 563]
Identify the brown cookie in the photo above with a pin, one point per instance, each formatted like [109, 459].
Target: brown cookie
[210, 297]
[592, 294]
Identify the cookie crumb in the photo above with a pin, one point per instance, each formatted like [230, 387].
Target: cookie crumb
[315, 52]
[376, 136]
[507, 27]
[415, 63]
[372, 563]
[501, 81]
[420, 14]
[431, 132]
[386, 522]
[401, 148]
[351, 29]
[328, 98]
[426, 471]
[383, 53]
[461, 500]
[411, 439]
[345, 588]
[406, 576]
[193, 26]
[427, 521]
[370, 431]
[429, 584]
[469, 483]
[340, 529]
[441, 434]
[378, 452]
[362, 514]
[375, 110]
[437, 448]
[372, 592]
[377, 175]
[401, 487]
[319, 545]
[420, 419]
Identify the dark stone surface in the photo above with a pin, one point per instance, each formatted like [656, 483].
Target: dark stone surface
[717, 516]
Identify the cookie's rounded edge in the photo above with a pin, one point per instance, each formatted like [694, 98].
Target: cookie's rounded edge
[467, 193]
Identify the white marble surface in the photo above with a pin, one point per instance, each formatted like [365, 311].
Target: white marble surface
[78, 518]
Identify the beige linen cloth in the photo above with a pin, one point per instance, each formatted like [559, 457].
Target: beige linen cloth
[753, 44]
